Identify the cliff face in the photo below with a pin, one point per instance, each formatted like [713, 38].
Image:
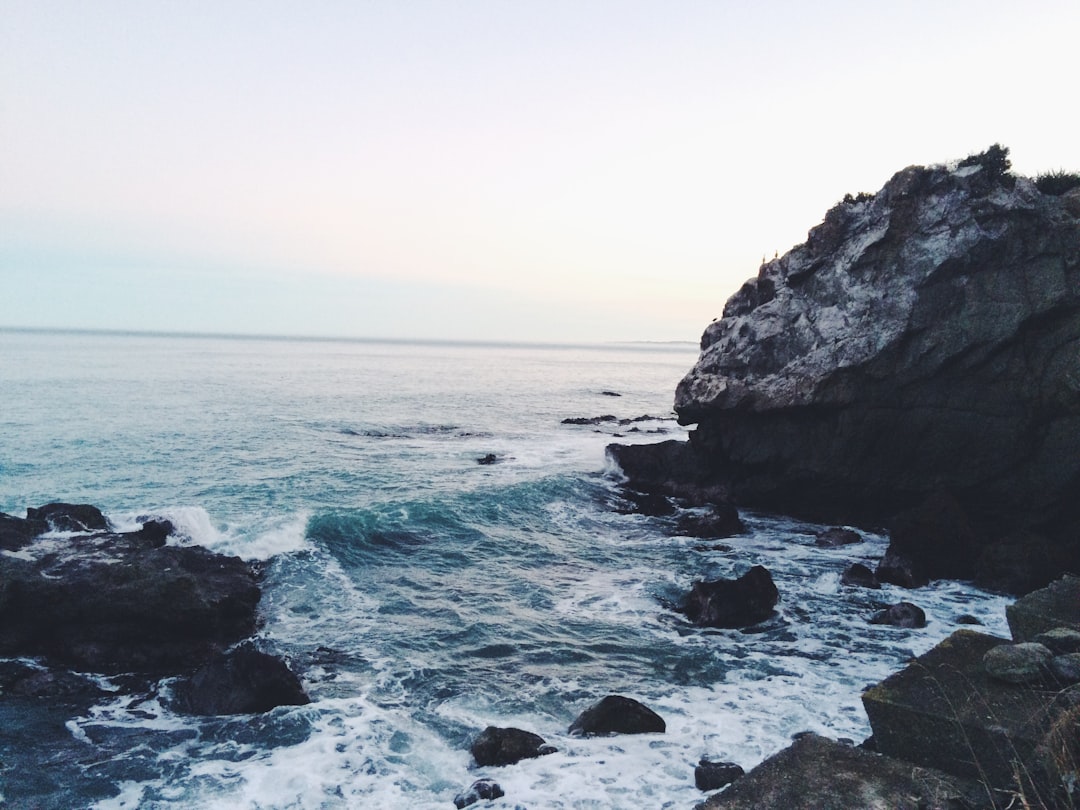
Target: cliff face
[925, 338]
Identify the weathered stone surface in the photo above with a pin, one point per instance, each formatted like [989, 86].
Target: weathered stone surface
[714, 775]
[902, 614]
[837, 536]
[240, 681]
[479, 791]
[945, 711]
[733, 602]
[858, 575]
[1060, 640]
[1065, 668]
[1057, 605]
[922, 340]
[1026, 662]
[815, 773]
[505, 746]
[616, 714]
[123, 602]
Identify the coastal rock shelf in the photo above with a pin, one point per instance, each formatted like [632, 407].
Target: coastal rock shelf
[923, 339]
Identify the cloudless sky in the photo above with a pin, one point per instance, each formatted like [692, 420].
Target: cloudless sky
[479, 169]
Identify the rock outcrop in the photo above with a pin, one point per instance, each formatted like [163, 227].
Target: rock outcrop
[733, 603]
[616, 714]
[923, 339]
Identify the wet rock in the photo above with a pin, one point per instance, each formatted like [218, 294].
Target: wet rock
[897, 569]
[651, 504]
[590, 420]
[937, 540]
[718, 521]
[490, 458]
[1026, 662]
[733, 603]
[241, 681]
[715, 775]
[505, 746]
[480, 790]
[69, 517]
[837, 536]
[967, 618]
[616, 714]
[25, 680]
[610, 394]
[858, 575]
[1017, 564]
[902, 614]
[16, 532]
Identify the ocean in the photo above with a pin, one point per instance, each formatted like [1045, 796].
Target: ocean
[421, 594]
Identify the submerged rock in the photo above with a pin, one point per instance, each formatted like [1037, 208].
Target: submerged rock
[733, 603]
[616, 714]
[480, 790]
[241, 681]
[902, 614]
[837, 536]
[858, 575]
[505, 746]
[922, 340]
[715, 775]
[719, 521]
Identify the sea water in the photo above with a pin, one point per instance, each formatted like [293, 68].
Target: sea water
[421, 594]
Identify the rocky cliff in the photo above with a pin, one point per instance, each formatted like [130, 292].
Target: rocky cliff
[925, 338]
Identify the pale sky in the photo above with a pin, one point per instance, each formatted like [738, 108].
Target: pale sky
[473, 169]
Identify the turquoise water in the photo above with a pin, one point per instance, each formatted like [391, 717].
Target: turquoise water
[422, 595]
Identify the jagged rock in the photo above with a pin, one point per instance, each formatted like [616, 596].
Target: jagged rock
[733, 603]
[123, 602]
[923, 339]
[860, 576]
[69, 517]
[616, 714]
[505, 746]
[714, 775]
[480, 790]
[1025, 662]
[837, 536]
[720, 520]
[240, 681]
[902, 614]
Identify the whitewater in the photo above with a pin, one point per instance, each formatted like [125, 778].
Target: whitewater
[420, 594]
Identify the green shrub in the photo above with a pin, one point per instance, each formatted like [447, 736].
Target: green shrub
[995, 160]
[1057, 182]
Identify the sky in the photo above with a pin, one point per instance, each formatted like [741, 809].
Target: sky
[512, 170]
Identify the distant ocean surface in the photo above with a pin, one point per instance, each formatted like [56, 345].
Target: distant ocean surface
[422, 595]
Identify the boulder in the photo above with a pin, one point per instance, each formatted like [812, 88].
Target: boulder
[902, 614]
[718, 521]
[1066, 668]
[616, 714]
[505, 746]
[123, 602]
[1025, 662]
[858, 575]
[1056, 605]
[733, 603]
[837, 536]
[240, 681]
[922, 340]
[478, 791]
[715, 775]
[1060, 640]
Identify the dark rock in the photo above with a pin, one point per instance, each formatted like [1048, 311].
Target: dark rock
[1056, 605]
[15, 532]
[505, 746]
[1026, 662]
[1066, 668]
[967, 618]
[897, 569]
[673, 468]
[652, 504]
[837, 536]
[480, 790]
[115, 605]
[882, 362]
[1017, 564]
[25, 680]
[241, 681]
[937, 537]
[720, 520]
[815, 773]
[902, 614]
[616, 714]
[714, 775]
[590, 420]
[860, 576]
[610, 394]
[490, 458]
[1060, 640]
[69, 517]
[733, 603]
